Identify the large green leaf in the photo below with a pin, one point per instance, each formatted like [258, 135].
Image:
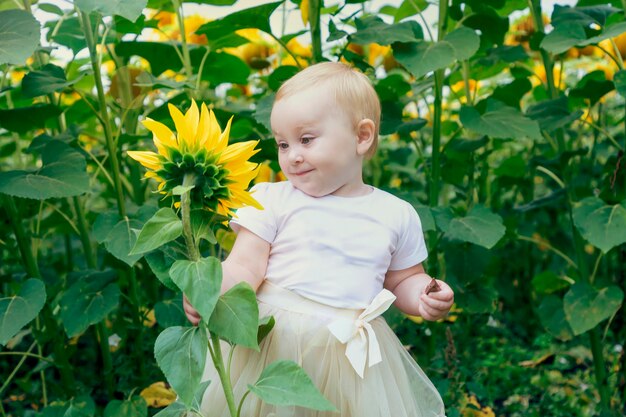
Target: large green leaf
[63, 174]
[163, 227]
[586, 307]
[424, 57]
[19, 36]
[25, 119]
[464, 41]
[175, 409]
[130, 9]
[82, 406]
[236, 316]
[220, 67]
[255, 17]
[88, 301]
[504, 122]
[133, 407]
[17, 311]
[619, 79]
[68, 32]
[603, 225]
[564, 37]
[49, 79]
[161, 56]
[481, 226]
[170, 313]
[121, 240]
[105, 222]
[160, 262]
[374, 30]
[200, 281]
[285, 383]
[547, 282]
[181, 354]
[552, 317]
[552, 114]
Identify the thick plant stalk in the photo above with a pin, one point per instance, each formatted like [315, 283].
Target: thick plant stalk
[183, 36]
[316, 32]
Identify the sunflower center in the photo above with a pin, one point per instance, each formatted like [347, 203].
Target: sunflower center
[211, 179]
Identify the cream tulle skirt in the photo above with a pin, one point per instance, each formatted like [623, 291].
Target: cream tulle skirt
[396, 387]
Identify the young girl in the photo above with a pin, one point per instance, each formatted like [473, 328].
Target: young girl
[327, 256]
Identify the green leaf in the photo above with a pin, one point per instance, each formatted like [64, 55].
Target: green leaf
[426, 217]
[266, 324]
[481, 226]
[552, 114]
[284, 383]
[586, 307]
[236, 316]
[25, 119]
[121, 239]
[548, 282]
[409, 8]
[181, 354]
[63, 174]
[170, 313]
[19, 36]
[563, 37]
[163, 227]
[19, 310]
[221, 67]
[145, 79]
[619, 79]
[552, 317]
[592, 86]
[82, 406]
[424, 57]
[264, 110]
[464, 41]
[68, 32]
[280, 75]
[49, 79]
[158, 54]
[201, 224]
[374, 30]
[255, 17]
[130, 9]
[105, 222]
[603, 225]
[88, 301]
[133, 407]
[175, 409]
[160, 262]
[505, 122]
[200, 281]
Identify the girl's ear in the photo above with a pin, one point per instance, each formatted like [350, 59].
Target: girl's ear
[366, 133]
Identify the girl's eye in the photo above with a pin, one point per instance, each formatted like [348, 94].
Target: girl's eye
[306, 140]
[282, 146]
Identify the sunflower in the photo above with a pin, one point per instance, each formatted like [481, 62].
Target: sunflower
[220, 173]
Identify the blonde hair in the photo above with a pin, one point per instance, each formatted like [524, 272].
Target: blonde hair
[352, 89]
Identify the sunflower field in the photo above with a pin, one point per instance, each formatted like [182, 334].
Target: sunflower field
[131, 130]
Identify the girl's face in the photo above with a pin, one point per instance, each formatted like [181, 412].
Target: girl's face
[317, 144]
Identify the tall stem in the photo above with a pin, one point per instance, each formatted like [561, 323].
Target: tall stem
[104, 114]
[185, 210]
[316, 31]
[224, 377]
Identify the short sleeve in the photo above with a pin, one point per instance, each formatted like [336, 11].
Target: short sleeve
[411, 248]
[260, 222]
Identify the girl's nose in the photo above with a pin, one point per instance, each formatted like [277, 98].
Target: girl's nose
[295, 157]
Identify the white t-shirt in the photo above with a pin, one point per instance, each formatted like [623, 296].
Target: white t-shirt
[331, 249]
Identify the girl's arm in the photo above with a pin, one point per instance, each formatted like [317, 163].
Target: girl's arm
[408, 286]
[246, 262]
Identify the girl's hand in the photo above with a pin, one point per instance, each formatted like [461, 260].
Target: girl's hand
[190, 312]
[436, 305]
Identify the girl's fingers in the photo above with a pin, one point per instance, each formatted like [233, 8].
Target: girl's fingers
[431, 302]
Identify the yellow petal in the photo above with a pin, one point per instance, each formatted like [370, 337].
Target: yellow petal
[161, 135]
[191, 121]
[222, 142]
[185, 136]
[246, 198]
[304, 11]
[240, 151]
[202, 135]
[148, 159]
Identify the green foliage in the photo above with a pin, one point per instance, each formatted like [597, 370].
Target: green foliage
[507, 138]
[285, 383]
[18, 310]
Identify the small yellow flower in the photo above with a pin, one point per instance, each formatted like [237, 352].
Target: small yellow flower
[200, 149]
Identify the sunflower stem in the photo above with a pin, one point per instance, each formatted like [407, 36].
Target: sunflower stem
[185, 210]
[224, 376]
[183, 37]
